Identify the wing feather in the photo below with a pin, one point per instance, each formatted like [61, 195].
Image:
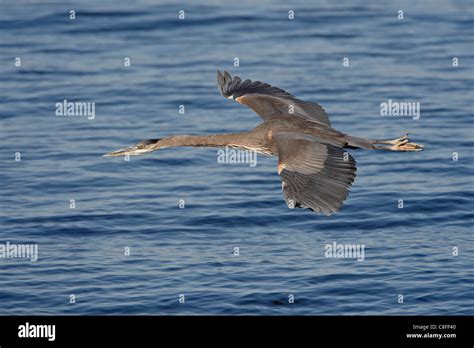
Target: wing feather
[314, 175]
[269, 101]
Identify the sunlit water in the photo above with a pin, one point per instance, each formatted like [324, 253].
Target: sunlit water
[190, 251]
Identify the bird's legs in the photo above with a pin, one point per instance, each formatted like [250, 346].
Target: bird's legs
[399, 144]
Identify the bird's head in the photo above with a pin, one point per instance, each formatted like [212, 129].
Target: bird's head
[138, 149]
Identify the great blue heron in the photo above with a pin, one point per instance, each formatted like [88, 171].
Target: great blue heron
[315, 171]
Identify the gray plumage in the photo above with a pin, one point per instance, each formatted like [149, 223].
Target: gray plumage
[268, 101]
[315, 169]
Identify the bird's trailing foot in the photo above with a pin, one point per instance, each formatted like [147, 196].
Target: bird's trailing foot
[399, 144]
[398, 141]
[403, 144]
[406, 146]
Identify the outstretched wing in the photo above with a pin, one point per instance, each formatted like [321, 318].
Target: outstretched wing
[268, 101]
[314, 175]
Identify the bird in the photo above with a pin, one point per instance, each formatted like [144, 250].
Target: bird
[315, 168]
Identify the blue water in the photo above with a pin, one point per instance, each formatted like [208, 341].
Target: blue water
[190, 251]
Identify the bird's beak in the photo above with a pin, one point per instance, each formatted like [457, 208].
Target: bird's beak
[122, 152]
[131, 151]
[138, 149]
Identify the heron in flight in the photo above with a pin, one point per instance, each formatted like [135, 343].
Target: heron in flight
[315, 170]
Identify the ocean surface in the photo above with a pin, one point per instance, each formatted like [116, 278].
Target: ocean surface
[112, 233]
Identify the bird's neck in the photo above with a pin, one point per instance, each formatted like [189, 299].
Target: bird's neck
[241, 140]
